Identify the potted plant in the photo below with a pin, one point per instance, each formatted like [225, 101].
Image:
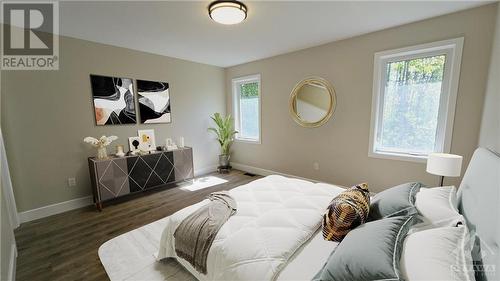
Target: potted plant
[225, 135]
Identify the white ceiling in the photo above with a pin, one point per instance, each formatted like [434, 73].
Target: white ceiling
[184, 30]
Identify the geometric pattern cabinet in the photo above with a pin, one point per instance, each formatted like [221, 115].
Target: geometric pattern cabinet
[118, 176]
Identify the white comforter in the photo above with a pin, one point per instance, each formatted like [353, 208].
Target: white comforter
[275, 216]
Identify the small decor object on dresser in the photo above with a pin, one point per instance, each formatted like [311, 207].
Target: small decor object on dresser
[154, 102]
[170, 144]
[101, 144]
[133, 143]
[147, 140]
[119, 151]
[114, 100]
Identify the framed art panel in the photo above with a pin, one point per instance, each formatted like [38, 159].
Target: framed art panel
[133, 143]
[147, 139]
[113, 99]
[154, 102]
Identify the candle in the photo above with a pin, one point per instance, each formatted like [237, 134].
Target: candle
[169, 142]
[119, 151]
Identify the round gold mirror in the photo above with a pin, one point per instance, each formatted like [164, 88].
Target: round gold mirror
[312, 102]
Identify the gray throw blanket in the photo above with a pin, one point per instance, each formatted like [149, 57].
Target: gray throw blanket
[195, 234]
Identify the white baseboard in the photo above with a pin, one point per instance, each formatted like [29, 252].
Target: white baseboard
[265, 172]
[12, 263]
[61, 207]
[53, 209]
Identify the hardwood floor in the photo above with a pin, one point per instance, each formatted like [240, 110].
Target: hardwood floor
[64, 246]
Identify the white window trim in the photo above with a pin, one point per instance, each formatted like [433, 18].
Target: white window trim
[236, 106]
[453, 50]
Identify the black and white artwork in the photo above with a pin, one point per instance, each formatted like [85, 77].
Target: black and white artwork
[133, 143]
[114, 101]
[154, 102]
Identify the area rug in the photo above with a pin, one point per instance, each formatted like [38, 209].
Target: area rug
[132, 256]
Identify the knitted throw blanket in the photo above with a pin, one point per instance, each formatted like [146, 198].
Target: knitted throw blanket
[195, 234]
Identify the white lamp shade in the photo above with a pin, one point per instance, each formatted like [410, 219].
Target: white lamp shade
[443, 164]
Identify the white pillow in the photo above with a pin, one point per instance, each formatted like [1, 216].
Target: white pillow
[438, 206]
[442, 253]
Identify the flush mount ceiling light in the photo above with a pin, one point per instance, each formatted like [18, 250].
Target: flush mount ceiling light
[227, 12]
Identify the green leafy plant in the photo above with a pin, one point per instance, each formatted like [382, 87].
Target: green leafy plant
[224, 131]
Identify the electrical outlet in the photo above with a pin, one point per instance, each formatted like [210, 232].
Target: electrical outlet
[316, 166]
[71, 182]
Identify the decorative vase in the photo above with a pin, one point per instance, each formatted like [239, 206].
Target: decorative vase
[224, 160]
[119, 151]
[102, 153]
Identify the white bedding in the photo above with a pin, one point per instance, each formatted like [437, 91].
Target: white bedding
[276, 216]
[307, 261]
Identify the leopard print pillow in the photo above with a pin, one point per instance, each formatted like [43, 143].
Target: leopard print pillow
[346, 211]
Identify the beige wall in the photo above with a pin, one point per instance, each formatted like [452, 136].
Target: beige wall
[46, 115]
[490, 125]
[341, 145]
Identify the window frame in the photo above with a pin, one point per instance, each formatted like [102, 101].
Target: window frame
[235, 82]
[452, 48]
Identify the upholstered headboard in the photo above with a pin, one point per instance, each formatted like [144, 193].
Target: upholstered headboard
[479, 203]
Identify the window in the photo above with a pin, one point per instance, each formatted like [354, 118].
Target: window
[246, 108]
[414, 96]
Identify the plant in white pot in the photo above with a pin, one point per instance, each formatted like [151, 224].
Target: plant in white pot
[225, 135]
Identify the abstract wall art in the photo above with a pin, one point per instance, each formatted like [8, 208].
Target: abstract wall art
[114, 101]
[154, 102]
[133, 143]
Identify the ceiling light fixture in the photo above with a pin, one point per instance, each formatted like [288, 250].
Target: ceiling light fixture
[227, 12]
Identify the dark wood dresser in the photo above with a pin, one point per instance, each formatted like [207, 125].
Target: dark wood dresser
[119, 176]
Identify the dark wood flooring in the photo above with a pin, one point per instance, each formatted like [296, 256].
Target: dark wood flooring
[64, 246]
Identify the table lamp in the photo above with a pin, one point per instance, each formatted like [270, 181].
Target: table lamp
[444, 165]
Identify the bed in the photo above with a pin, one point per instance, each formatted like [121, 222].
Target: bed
[479, 203]
[275, 233]
[282, 215]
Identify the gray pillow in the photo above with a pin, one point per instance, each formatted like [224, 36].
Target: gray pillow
[395, 201]
[368, 252]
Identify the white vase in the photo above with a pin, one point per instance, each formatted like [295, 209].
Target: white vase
[102, 153]
[119, 151]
